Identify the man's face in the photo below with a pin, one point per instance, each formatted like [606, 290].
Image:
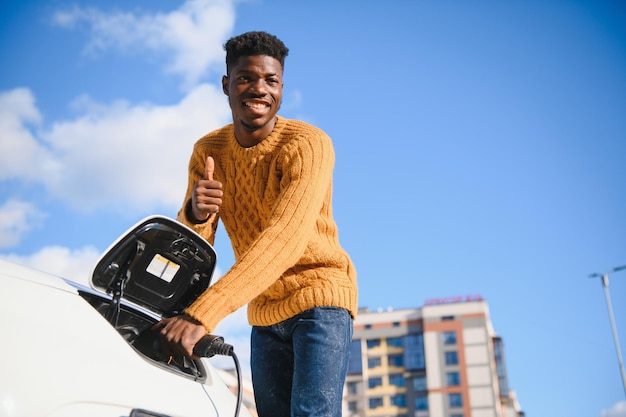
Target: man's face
[254, 87]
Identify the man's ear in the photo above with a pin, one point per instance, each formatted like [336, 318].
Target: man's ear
[225, 84]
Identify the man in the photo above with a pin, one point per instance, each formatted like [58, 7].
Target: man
[269, 180]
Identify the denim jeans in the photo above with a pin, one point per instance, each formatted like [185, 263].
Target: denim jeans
[299, 366]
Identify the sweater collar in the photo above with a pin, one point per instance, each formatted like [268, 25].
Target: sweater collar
[266, 145]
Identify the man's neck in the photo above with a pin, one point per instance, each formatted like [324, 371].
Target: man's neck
[248, 137]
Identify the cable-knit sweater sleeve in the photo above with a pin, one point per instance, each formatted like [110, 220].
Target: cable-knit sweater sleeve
[269, 266]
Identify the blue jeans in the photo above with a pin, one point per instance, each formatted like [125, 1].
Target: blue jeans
[299, 366]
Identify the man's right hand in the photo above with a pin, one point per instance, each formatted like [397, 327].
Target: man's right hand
[179, 335]
[206, 198]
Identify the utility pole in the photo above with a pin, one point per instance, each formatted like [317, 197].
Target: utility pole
[605, 285]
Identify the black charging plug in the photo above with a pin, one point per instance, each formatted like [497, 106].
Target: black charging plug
[211, 345]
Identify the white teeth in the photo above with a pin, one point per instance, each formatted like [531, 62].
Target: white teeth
[256, 105]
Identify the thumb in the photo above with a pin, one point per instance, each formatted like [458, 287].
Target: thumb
[209, 168]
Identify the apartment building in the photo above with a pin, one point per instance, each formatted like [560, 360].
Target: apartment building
[441, 360]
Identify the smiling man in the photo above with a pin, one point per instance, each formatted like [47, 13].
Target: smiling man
[269, 180]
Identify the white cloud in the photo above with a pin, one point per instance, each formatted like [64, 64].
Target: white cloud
[20, 153]
[190, 37]
[618, 410]
[16, 219]
[113, 156]
[119, 156]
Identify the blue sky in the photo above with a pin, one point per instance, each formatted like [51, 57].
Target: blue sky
[481, 149]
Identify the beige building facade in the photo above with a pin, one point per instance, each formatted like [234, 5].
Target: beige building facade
[441, 360]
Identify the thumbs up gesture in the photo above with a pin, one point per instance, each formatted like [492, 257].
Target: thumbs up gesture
[206, 197]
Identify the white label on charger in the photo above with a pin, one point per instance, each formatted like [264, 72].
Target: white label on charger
[162, 268]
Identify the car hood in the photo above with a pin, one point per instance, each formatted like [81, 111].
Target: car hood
[9, 269]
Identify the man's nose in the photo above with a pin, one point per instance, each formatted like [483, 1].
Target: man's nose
[259, 87]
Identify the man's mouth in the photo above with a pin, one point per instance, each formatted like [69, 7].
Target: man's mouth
[256, 105]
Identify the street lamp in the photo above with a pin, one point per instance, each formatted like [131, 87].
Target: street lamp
[605, 284]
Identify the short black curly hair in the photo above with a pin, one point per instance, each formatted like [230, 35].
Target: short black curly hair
[254, 43]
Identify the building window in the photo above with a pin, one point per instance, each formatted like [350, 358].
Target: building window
[368, 326]
[375, 382]
[396, 324]
[421, 402]
[372, 343]
[498, 348]
[373, 362]
[353, 388]
[397, 380]
[376, 402]
[456, 415]
[419, 383]
[451, 358]
[394, 341]
[449, 338]
[455, 400]
[398, 400]
[453, 379]
[447, 318]
[414, 357]
[395, 360]
[355, 366]
[352, 406]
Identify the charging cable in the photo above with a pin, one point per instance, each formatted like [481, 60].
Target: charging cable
[211, 345]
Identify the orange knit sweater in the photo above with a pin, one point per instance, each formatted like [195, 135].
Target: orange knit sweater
[277, 212]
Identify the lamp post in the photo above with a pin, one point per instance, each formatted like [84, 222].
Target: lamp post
[605, 284]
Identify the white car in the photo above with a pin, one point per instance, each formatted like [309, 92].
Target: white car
[68, 350]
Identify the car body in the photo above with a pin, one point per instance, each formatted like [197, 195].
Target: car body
[70, 350]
